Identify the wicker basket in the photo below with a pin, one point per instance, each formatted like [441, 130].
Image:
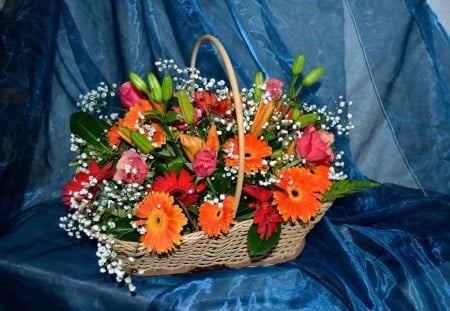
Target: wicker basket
[200, 252]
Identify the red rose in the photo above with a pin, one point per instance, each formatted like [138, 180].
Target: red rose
[130, 95]
[205, 162]
[315, 146]
[131, 168]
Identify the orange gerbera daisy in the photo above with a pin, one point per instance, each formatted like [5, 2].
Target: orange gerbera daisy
[215, 218]
[134, 116]
[113, 135]
[320, 173]
[158, 135]
[255, 152]
[300, 198]
[163, 222]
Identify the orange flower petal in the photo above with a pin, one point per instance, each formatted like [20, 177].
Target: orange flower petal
[213, 139]
[214, 219]
[255, 152]
[164, 222]
[191, 145]
[261, 117]
[300, 198]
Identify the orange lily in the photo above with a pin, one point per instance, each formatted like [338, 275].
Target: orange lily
[192, 144]
[262, 116]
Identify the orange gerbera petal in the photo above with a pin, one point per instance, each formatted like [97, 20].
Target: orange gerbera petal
[300, 198]
[136, 114]
[113, 137]
[255, 152]
[164, 222]
[215, 218]
[320, 173]
[158, 136]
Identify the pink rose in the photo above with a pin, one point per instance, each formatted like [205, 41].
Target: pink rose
[205, 162]
[130, 95]
[131, 168]
[180, 124]
[315, 146]
[273, 87]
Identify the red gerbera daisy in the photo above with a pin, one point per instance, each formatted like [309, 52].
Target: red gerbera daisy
[182, 188]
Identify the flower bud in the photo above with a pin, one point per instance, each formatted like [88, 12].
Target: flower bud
[297, 66]
[186, 107]
[138, 82]
[124, 133]
[296, 114]
[155, 88]
[313, 76]
[259, 80]
[141, 142]
[166, 88]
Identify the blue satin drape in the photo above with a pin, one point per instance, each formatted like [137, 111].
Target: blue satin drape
[388, 248]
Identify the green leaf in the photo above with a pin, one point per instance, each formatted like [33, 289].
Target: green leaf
[256, 246]
[270, 135]
[154, 115]
[342, 188]
[220, 182]
[170, 117]
[306, 119]
[165, 153]
[118, 212]
[88, 128]
[161, 168]
[193, 210]
[123, 231]
[176, 165]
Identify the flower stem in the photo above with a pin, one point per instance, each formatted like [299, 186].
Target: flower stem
[210, 185]
[191, 221]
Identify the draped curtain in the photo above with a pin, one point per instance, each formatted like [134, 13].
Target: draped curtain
[387, 248]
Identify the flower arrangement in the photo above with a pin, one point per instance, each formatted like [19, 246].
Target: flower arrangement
[166, 163]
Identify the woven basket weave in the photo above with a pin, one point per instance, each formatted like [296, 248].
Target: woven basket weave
[200, 252]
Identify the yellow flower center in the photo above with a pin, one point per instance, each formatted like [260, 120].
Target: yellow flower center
[157, 222]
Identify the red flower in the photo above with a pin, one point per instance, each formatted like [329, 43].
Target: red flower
[82, 180]
[266, 216]
[181, 188]
[210, 104]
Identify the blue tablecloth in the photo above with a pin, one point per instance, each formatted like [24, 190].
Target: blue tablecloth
[385, 249]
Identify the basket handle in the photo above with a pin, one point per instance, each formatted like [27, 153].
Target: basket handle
[237, 104]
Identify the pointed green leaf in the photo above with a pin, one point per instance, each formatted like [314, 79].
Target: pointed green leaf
[306, 119]
[161, 168]
[256, 246]
[176, 165]
[343, 188]
[89, 128]
[170, 117]
[123, 230]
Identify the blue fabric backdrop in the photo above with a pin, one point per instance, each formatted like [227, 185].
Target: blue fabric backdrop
[388, 248]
